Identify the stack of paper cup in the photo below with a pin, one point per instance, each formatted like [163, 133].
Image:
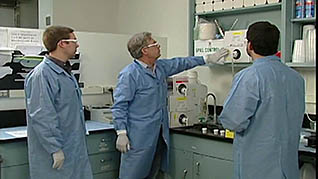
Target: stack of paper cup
[298, 52]
[310, 46]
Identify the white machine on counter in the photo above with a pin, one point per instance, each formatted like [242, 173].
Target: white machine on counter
[101, 113]
[186, 100]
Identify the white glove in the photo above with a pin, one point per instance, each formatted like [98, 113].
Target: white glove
[58, 158]
[217, 57]
[122, 143]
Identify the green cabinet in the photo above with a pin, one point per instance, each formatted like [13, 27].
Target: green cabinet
[14, 155]
[207, 167]
[180, 164]
[194, 157]
[103, 156]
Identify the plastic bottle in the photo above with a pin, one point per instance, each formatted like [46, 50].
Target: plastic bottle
[300, 8]
[309, 8]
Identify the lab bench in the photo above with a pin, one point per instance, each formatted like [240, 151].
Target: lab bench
[103, 156]
[194, 155]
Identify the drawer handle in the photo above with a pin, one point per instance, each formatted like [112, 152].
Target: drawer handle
[184, 173]
[103, 140]
[103, 160]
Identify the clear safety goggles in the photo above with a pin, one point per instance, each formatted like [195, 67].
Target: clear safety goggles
[70, 40]
[153, 45]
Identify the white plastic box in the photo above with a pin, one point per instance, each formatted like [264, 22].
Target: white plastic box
[248, 3]
[272, 1]
[199, 8]
[218, 5]
[208, 7]
[237, 3]
[259, 2]
[227, 4]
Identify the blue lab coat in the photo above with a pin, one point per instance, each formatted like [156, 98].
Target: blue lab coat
[140, 108]
[55, 120]
[265, 108]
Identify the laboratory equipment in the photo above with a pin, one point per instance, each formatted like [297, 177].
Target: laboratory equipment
[186, 100]
[101, 113]
[236, 42]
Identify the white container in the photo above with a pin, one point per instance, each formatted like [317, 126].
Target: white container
[199, 8]
[237, 3]
[310, 46]
[227, 4]
[216, 131]
[248, 3]
[298, 52]
[272, 1]
[207, 31]
[102, 114]
[217, 5]
[204, 130]
[208, 7]
[259, 2]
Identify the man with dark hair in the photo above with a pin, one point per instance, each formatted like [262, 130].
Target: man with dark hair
[140, 109]
[265, 108]
[55, 119]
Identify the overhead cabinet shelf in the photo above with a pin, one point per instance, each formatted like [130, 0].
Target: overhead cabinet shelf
[304, 20]
[282, 14]
[301, 65]
[266, 7]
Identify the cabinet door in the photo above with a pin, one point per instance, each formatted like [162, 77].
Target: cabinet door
[180, 164]
[15, 172]
[206, 167]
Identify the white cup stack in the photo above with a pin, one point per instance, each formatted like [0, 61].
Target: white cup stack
[298, 52]
[309, 43]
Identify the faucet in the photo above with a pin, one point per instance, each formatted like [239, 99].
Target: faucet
[207, 107]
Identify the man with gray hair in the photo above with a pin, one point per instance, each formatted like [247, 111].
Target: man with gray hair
[140, 108]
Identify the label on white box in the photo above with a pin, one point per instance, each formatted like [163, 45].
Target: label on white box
[205, 47]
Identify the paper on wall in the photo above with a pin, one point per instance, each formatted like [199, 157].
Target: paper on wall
[24, 37]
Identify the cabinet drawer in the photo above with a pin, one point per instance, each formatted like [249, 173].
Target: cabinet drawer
[16, 172]
[14, 153]
[107, 175]
[210, 147]
[101, 142]
[104, 162]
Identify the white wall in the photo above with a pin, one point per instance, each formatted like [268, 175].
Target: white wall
[82, 15]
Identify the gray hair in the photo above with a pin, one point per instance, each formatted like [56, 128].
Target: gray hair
[137, 43]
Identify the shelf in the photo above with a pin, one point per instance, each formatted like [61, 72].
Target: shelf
[258, 8]
[228, 65]
[301, 65]
[304, 20]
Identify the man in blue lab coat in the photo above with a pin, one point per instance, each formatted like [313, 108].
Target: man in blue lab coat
[55, 118]
[140, 109]
[265, 108]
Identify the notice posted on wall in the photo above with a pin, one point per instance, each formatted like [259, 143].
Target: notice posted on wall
[24, 37]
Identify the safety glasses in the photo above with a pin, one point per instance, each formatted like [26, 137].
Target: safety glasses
[70, 40]
[153, 45]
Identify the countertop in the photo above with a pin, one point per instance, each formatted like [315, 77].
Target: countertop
[196, 132]
[21, 132]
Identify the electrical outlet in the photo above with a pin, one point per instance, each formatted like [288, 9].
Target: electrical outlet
[4, 93]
